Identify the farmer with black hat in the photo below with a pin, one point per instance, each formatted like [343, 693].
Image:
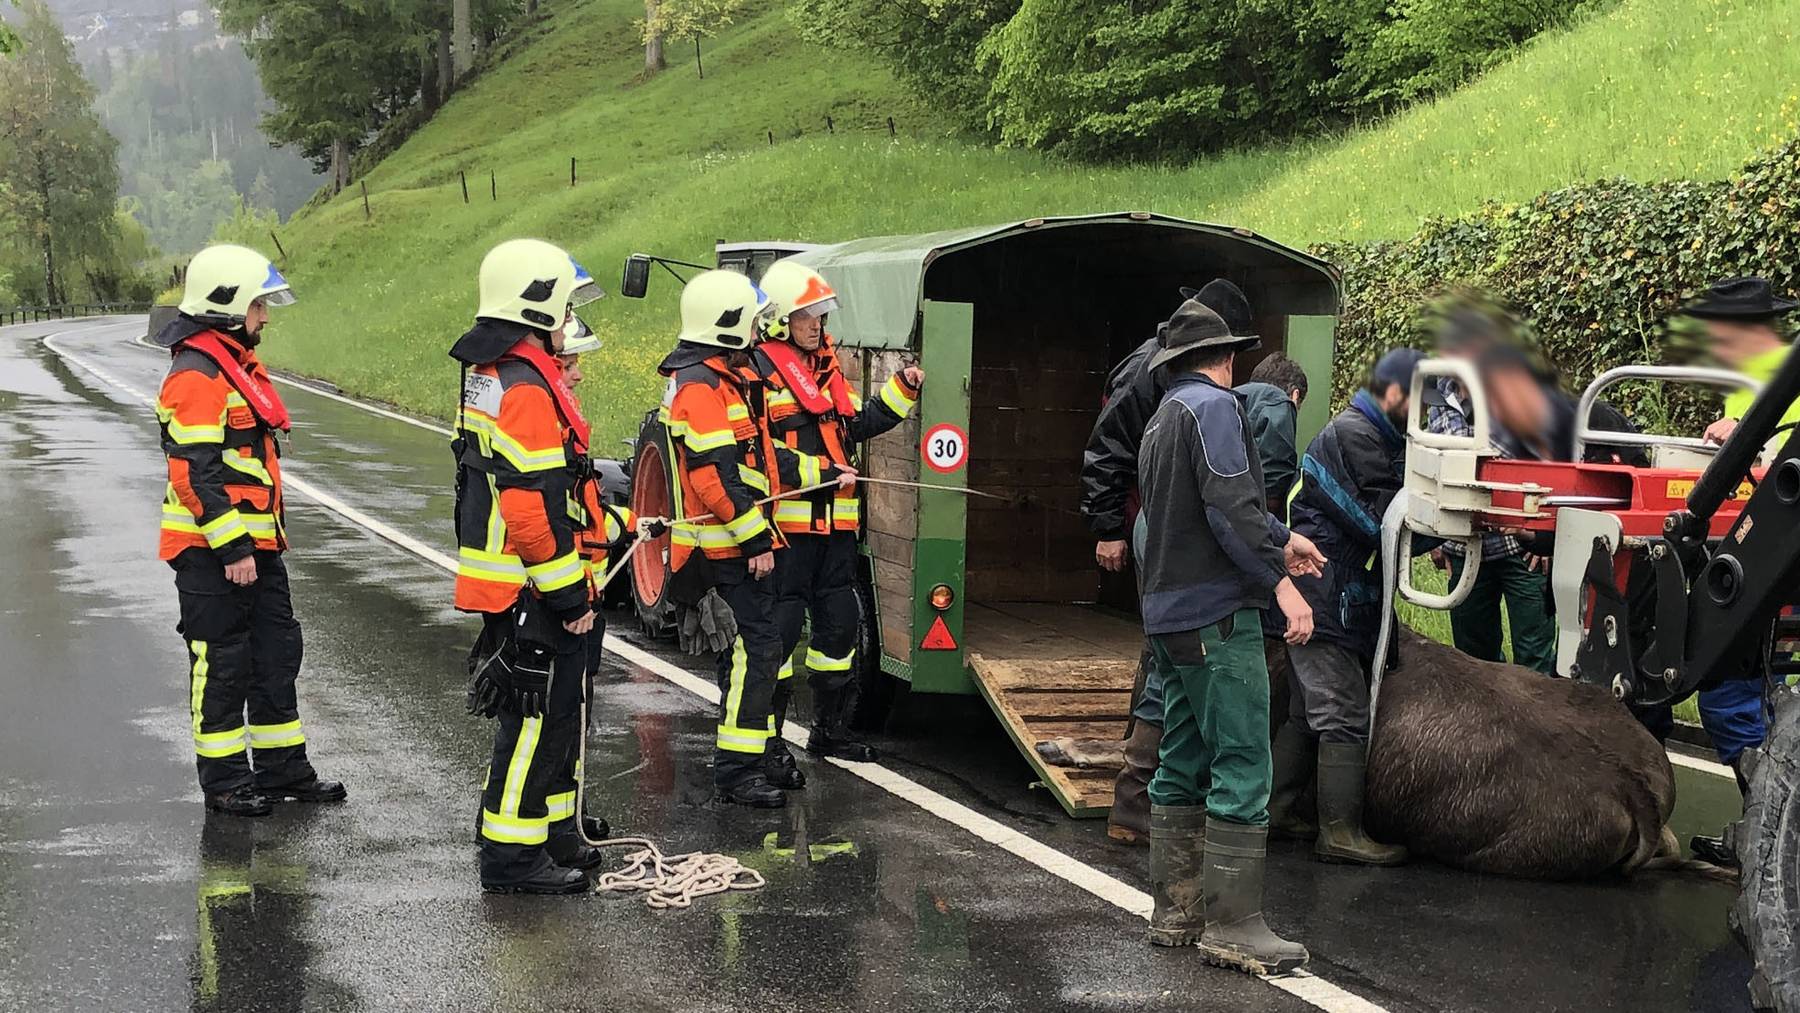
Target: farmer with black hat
[1213, 557]
[1740, 315]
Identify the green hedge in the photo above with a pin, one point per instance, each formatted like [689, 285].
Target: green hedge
[1594, 271]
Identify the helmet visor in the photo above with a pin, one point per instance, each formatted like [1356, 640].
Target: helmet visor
[578, 337]
[586, 289]
[275, 289]
[818, 309]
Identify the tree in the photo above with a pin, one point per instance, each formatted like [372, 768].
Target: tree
[686, 19]
[58, 178]
[653, 41]
[9, 39]
[336, 69]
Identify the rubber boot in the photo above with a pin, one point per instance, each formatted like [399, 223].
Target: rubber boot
[542, 876]
[1341, 837]
[241, 801]
[596, 828]
[1293, 764]
[1128, 822]
[1236, 935]
[754, 791]
[566, 848]
[779, 765]
[314, 790]
[1177, 835]
[831, 729]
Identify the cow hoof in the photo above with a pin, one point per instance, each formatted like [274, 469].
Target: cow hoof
[1126, 836]
[1173, 937]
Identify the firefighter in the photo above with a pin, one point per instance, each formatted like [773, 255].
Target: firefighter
[521, 448]
[814, 411]
[223, 534]
[603, 542]
[715, 413]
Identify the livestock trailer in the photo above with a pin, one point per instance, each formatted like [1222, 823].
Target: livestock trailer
[1016, 327]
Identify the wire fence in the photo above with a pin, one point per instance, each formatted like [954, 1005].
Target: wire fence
[31, 314]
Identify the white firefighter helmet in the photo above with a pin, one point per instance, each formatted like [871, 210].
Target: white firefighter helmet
[578, 337]
[721, 308]
[223, 280]
[531, 282]
[794, 290]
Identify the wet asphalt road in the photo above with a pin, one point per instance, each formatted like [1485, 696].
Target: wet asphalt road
[116, 893]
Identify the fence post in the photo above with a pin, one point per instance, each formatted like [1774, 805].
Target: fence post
[465, 184]
[493, 186]
[890, 126]
[771, 138]
[365, 193]
[571, 170]
[828, 127]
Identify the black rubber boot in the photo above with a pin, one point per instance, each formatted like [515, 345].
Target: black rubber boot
[1128, 822]
[755, 791]
[1293, 765]
[541, 876]
[831, 729]
[566, 848]
[1341, 836]
[243, 801]
[1236, 935]
[779, 765]
[1177, 863]
[1719, 851]
[314, 790]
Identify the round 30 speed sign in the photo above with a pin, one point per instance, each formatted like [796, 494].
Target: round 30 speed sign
[945, 448]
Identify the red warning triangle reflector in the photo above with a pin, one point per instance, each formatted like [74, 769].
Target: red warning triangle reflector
[938, 638]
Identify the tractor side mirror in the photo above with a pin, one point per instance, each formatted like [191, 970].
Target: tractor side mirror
[636, 280]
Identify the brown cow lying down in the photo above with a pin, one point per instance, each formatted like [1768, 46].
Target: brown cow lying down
[1496, 768]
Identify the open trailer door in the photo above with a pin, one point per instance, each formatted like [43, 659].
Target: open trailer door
[1059, 672]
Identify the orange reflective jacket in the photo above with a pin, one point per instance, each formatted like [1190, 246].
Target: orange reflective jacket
[823, 430]
[224, 487]
[517, 516]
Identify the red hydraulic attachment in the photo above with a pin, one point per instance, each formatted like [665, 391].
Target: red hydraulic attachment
[1641, 498]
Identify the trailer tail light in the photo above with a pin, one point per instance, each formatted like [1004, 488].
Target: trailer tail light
[942, 597]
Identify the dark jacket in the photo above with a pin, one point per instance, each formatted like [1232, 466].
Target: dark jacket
[1212, 547]
[1274, 422]
[1351, 472]
[1109, 468]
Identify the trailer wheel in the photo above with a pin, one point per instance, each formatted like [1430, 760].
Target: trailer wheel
[1766, 918]
[875, 689]
[651, 497]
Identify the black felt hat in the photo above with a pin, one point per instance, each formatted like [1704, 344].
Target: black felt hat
[1746, 299]
[1227, 300]
[1195, 325]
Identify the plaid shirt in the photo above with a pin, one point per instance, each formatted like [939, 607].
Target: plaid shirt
[1448, 418]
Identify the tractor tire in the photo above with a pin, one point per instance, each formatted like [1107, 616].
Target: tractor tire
[1766, 918]
[652, 495]
[875, 689]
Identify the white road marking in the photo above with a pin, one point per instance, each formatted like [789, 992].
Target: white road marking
[1713, 767]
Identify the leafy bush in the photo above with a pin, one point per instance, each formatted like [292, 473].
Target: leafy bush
[1407, 50]
[1595, 271]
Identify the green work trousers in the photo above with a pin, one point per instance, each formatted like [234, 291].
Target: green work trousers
[1215, 744]
[1475, 624]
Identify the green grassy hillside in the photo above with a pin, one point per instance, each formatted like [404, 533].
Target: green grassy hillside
[1653, 89]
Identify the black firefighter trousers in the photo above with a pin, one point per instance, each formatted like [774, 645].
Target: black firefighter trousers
[530, 781]
[816, 575]
[746, 671]
[244, 649]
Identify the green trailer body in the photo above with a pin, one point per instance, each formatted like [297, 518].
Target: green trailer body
[1016, 327]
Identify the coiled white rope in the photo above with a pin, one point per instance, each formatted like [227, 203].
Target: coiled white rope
[674, 881]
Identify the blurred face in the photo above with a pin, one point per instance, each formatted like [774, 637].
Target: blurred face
[1736, 342]
[255, 317]
[806, 330]
[571, 367]
[1518, 402]
[1394, 401]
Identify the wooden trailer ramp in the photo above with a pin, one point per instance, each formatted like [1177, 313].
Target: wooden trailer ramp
[1051, 671]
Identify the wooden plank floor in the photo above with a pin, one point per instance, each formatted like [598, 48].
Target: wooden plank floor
[1051, 671]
